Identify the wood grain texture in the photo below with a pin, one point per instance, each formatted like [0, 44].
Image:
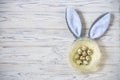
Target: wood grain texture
[34, 39]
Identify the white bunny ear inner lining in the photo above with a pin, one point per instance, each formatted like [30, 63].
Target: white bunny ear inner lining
[73, 22]
[100, 26]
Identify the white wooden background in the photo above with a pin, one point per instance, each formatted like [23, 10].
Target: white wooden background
[34, 39]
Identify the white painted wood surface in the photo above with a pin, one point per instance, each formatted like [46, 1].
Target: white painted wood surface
[34, 39]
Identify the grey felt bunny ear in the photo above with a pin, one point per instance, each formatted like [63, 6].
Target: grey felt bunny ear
[73, 22]
[100, 26]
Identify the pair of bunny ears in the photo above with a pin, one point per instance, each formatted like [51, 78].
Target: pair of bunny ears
[98, 28]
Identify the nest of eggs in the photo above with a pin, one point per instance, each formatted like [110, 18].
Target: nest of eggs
[83, 56]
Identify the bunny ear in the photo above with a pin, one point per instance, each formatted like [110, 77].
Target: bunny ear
[73, 22]
[100, 26]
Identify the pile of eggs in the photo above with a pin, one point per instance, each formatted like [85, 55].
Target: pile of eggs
[83, 56]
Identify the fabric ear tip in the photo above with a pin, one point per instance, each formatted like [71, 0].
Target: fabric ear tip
[69, 8]
[108, 14]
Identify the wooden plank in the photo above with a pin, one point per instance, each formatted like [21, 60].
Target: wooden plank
[26, 37]
[54, 55]
[51, 71]
[55, 49]
[54, 6]
[49, 20]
